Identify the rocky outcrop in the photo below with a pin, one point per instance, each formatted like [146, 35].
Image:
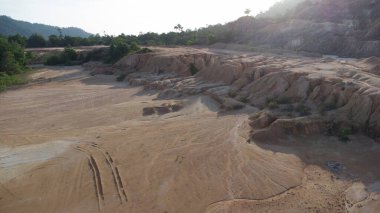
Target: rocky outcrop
[306, 94]
[262, 120]
[163, 109]
[97, 68]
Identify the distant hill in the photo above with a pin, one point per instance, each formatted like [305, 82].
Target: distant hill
[9, 26]
[334, 27]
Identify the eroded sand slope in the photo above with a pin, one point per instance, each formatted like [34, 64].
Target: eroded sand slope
[71, 142]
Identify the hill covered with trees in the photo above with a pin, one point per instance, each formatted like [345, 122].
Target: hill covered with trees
[349, 28]
[340, 27]
[9, 26]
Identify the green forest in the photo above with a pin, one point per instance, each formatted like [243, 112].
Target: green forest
[13, 60]
[203, 36]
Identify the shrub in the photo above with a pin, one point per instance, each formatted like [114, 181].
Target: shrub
[54, 60]
[344, 134]
[10, 80]
[69, 54]
[190, 42]
[193, 69]
[96, 55]
[29, 57]
[119, 48]
[211, 39]
[245, 100]
[272, 103]
[9, 64]
[135, 47]
[67, 57]
[12, 57]
[12, 62]
[144, 50]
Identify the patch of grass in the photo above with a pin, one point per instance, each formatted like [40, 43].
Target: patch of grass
[144, 50]
[344, 134]
[10, 80]
[245, 100]
[272, 103]
[193, 69]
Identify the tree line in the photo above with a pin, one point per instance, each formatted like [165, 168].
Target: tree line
[203, 36]
[38, 41]
[14, 57]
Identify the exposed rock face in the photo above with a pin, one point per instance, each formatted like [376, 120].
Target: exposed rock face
[316, 37]
[333, 91]
[231, 104]
[340, 27]
[163, 109]
[99, 68]
[301, 125]
[262, 120]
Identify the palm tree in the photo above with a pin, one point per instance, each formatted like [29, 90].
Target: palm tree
[247, 12]
[178, 27]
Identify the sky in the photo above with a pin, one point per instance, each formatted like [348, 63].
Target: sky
[130, 17]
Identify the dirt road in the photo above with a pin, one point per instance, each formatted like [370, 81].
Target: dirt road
[71, 142]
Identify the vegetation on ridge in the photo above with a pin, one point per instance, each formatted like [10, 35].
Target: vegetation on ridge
[115, 52]
[12, 61]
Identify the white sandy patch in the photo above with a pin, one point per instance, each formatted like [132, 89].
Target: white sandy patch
[19, 160]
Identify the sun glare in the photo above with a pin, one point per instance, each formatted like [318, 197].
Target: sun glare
[130, 17]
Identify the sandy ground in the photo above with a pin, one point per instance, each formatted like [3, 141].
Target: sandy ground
[74, 143]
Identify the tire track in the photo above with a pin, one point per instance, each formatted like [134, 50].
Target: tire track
[96, 177]
[115, 174]
[121, 184]
[91, 150]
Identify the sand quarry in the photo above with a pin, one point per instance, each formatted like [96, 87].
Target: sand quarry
[75, 142]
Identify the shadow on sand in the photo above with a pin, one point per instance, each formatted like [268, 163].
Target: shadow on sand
[356, 160]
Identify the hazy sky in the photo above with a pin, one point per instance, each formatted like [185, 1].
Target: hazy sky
[130, 17]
